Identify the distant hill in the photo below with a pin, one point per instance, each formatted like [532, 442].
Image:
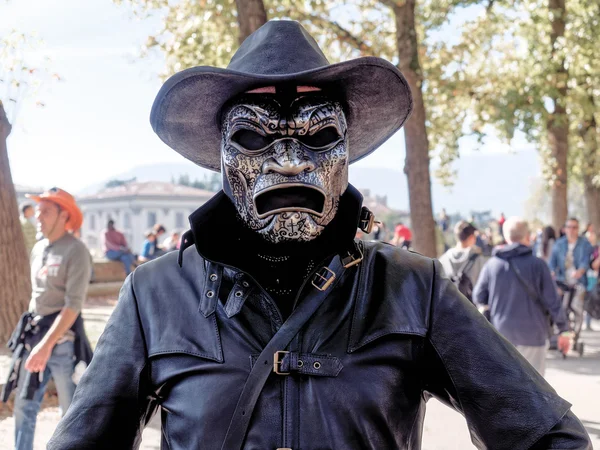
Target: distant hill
[493, 181]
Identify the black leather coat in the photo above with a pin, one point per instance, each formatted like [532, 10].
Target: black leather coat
[393, 333]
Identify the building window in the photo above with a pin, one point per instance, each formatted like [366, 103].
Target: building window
[151, 219]
[92, 221]
[126, 221]
[179, 220]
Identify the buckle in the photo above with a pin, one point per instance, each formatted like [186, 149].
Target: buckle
[351, 259]
[367, 220]
[326, 278]
[277, 359]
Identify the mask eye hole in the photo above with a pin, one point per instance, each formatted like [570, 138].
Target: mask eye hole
[250, 140]
[323, 138]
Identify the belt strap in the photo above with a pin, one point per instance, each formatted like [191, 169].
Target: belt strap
[323, 282]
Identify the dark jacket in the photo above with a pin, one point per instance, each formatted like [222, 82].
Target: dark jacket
[394, 332]
[516, 315]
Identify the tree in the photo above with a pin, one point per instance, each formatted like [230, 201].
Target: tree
[18, 81]
[14, 271]
[532, 66]
[251, 15]
[583, 38]
[416, 166]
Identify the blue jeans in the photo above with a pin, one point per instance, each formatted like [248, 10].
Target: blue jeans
[60, 367]
[126, 258]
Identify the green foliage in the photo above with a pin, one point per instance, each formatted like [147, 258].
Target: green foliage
[511, 73]
[212, 183]
[21, 75]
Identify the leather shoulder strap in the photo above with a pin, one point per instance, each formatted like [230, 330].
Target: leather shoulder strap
[323, 283]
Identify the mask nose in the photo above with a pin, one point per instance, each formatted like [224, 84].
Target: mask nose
[288, 161]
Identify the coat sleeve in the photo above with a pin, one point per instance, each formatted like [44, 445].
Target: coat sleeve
[481, 290]
[470, 367]
[111, 402]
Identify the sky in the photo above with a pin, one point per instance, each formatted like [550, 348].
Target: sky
[96, 120]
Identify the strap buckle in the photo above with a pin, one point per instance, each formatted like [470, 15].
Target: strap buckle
[351, 259]
[277, 360]
[367, 220]
[324, 277]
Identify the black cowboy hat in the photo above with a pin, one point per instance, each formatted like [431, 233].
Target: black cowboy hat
[186, 113]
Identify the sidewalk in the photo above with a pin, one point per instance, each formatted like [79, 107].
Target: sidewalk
[575, 379]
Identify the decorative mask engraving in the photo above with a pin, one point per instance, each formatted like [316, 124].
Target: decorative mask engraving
[285, 164]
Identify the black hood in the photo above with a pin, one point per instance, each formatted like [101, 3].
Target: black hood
[512, 251]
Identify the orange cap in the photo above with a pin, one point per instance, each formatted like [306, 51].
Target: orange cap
[66, 202]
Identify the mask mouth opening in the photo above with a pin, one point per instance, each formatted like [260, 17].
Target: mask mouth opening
[290, 197]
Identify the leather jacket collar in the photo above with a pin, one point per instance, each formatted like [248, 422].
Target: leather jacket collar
[221, 238]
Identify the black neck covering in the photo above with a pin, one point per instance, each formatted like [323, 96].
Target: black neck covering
[280, 268]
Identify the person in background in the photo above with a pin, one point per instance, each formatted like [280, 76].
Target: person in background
[501, 222]
[569, 263]
[463, 263]
[517, 290]
[148, 247]
[545, 243]
[116, 247]
[444, 221]
[50, 339]
[592, 274]
[28, 226]
[158, 231]
[402, 236]
[172, 242]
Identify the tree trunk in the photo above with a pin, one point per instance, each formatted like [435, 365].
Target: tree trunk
[592, 202]
[591, 168]
[251, 15]
[416, 166]
[15, 283]
[558, 122]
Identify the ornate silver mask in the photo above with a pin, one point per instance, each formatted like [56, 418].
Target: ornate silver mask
[285, 163]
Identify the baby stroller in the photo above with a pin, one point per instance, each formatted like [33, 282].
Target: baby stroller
[573, 304]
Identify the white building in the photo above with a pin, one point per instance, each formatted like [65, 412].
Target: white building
[136, 207]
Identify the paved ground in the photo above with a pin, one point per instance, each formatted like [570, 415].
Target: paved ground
[576, 379]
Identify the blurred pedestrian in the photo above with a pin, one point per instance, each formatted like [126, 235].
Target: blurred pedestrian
[501, 222]
[464, 263]
[50, 339]
[116, 247]
[569, 263]
[592, 274]
[172, 242]
[545, 243]
[402, 236]
[148, 247]
[517, 291]
[28, 226]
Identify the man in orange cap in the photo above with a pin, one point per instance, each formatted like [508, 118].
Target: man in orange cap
[53, 339]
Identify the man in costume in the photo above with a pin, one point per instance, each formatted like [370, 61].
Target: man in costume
[277, 330]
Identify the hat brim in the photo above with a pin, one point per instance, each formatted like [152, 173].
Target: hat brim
[75, 215]
[187, 109]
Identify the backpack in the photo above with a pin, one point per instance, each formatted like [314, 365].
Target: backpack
[462, 281]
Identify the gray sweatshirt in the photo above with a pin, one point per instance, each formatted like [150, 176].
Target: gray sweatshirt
[455, 260]
[60, 275]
